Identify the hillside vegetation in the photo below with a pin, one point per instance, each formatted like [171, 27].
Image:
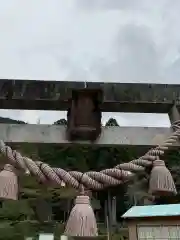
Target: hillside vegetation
[38, 203]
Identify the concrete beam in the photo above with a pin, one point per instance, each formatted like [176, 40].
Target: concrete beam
[125, 136]
[118, 97]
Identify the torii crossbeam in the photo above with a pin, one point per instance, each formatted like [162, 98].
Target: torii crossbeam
[118, 97]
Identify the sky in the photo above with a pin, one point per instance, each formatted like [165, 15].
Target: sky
[90, 40]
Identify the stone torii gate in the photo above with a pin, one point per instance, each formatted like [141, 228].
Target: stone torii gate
[117, 97]
[106, 97]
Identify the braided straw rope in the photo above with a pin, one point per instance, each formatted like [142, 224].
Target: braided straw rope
[91, 180]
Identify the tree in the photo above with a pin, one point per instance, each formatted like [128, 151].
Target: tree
[20, 219]
[61, 122]
[111, 122]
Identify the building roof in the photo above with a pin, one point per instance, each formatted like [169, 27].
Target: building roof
[153, 211]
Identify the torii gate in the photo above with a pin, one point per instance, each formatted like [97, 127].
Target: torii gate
[110, 97]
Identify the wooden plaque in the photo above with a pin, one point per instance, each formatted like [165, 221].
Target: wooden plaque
[84, 115]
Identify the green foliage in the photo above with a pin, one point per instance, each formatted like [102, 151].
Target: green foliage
[111, 122]
[16, 211]
[18, 219]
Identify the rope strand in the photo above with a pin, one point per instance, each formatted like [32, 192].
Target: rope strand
[92, 179]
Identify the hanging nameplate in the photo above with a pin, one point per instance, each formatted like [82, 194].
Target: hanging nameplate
[84, 116]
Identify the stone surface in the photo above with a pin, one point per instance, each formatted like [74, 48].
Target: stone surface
[125, 136]
[118, 97]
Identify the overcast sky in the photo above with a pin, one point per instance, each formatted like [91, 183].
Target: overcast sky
[93, 40]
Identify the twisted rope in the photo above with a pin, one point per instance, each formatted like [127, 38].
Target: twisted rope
[92, 179]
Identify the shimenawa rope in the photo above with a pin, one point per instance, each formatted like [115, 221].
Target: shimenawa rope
[92, 179]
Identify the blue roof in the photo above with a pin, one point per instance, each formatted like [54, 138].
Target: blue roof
[153, 210]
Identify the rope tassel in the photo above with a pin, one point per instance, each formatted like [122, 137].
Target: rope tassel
[82, 221]
[161, 181]
[8, 183]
